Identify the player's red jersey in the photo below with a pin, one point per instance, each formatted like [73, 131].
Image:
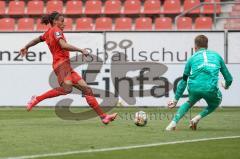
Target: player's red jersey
[52, 37]
[61, 61]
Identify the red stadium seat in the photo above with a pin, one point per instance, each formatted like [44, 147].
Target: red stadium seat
[112, 7]
[25, 24]
[203, 23]
[84, 24]
[209, 9]
[103, 23]
[144, 23]
[7, 24]
[171, 7]
[188, 4]
[2, 7]
[132, 7]
[93, 7]
[123, 24]
[35, 7]
[163, 23]
[54, 5]
[152, 7]
[69, 24]
[184, 23]
[41, 27]
[16, 7]
[74, 7]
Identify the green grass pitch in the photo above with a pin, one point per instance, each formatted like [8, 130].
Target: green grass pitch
[42, 132]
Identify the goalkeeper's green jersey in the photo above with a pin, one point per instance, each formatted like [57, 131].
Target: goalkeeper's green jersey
[203, 70]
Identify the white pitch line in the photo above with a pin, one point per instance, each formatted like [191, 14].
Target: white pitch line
[119, 148]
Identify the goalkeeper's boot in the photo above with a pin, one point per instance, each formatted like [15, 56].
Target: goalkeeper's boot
[109, 118]
[171, 126]
[33, 102]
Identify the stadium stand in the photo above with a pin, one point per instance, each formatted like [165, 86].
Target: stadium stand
[117, 14]
[7, 24]
[54, 5]
[163, 23]
[203, 23]
[103, 24]
[69, 24]
[84, 24]
[188, 4]
[124, 23]
[112, 7]
[74, 7]
[152, 7]
[209, 9]
[35, 7]
[16, 7]
[25, 24]
[184, 23]
[2, 7]
[132, 7]
[143, 23]
[171, 7]
[93, 7]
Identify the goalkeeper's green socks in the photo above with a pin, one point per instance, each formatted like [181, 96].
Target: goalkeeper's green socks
[182, 110]
[208, 110]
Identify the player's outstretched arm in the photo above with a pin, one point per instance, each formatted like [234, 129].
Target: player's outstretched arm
[226, 74]
[181, 86]
[179, 92]
[64, 45]
[33, 42]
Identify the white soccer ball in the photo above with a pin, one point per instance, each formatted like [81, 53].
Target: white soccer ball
[140, 118]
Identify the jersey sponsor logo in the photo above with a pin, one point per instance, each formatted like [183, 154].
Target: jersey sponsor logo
[207, 64]
[58, 34]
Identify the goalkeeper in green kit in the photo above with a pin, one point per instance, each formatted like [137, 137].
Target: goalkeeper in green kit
[201, 75]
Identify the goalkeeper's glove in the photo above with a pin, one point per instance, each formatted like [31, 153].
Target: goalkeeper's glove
[172, 103]
[223, 83]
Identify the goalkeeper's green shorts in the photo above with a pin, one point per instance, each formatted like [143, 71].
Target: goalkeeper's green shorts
[213, 99]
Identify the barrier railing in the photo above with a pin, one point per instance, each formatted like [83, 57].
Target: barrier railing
[215, 17]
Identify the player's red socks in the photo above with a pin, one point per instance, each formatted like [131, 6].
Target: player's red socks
[91, 100]
[52, 93]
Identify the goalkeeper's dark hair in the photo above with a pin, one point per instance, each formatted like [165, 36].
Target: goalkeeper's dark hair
[49, 18]
[201, 41]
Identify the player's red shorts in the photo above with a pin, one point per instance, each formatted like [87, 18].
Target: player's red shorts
[64, 72]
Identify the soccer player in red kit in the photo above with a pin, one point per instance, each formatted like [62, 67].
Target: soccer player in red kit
[67, 77]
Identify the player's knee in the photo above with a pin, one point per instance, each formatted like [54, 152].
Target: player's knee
[87, 91]
[68, 90]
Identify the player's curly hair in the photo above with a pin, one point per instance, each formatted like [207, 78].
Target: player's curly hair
[49, 18]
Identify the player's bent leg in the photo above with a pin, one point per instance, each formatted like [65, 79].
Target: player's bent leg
[182, 110]
[91, 100]
[213, 101]
[212, 105]
[206, 111]
[65, 88]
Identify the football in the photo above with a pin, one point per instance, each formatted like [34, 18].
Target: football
[140, 118]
